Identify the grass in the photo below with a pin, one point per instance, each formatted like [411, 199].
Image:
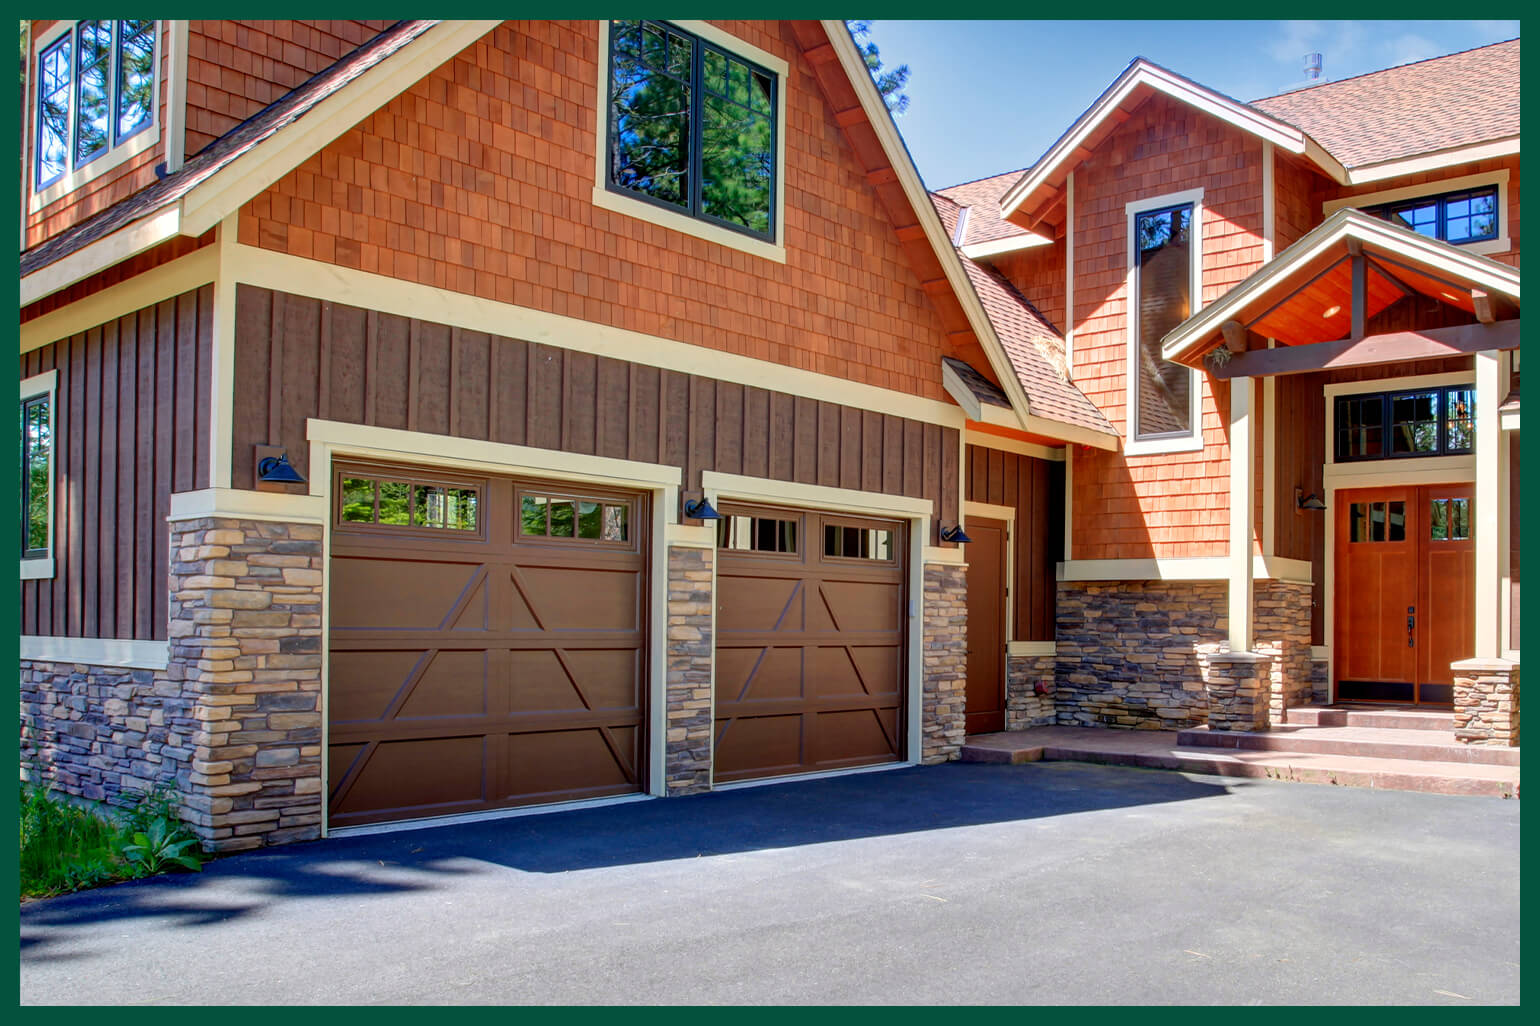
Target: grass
[67, 846]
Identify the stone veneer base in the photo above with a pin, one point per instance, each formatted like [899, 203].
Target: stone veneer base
[943, 727]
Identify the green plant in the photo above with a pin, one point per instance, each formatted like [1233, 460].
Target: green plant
[68, 846]
[155, 849]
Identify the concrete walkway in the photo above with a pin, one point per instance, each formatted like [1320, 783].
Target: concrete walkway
[954, 884]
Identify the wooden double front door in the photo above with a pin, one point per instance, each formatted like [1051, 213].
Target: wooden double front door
[1405, 592]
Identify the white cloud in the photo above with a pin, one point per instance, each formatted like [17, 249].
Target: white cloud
[1340, 44]
[1409, 47]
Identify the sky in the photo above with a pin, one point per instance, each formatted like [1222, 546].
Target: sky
[991, 96]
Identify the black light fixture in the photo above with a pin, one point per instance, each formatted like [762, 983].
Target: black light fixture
[700, 509]
[955, 534]
[1312, 502]
[276, 470]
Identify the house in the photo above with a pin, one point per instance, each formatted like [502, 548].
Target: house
[1327, 282]
[429, 418]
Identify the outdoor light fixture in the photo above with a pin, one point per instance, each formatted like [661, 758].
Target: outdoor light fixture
[1311, 502]
[700, 509]
[955, 534]
[276, 469]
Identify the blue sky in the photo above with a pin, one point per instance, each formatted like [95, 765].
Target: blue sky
[991, 96]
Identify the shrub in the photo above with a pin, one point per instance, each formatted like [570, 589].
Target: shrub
[69, 847]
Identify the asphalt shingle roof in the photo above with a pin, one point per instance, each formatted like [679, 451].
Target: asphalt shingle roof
[983, 198]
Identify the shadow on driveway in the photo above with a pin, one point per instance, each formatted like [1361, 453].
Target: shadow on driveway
[902, 801]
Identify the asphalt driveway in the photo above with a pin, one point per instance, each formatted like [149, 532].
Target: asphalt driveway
[956, 884]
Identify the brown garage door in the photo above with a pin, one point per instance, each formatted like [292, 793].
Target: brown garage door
[810, 642]
[487, 642]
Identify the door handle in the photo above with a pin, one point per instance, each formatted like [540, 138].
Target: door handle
[1411, 625]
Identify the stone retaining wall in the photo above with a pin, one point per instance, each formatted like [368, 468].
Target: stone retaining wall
[687, 762]
[945, 671]
[1126, 651]
[1029, 691]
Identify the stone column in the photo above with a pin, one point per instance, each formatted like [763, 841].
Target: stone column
[1237, 685]
[1282, 632]
[1029, 691]
[245, 628]
[944, 675]
[687, 759]
[1486, 702]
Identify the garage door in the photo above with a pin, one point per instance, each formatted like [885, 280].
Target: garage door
[810, 642]
[487, 641]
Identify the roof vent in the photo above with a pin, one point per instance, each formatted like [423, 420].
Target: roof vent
[1312, 67]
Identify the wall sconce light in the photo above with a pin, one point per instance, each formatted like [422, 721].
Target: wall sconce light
[955, 534]
[276, 470]
[1312, 502]
[700, 509]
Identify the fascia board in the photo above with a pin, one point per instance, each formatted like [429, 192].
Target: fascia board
[130, 240]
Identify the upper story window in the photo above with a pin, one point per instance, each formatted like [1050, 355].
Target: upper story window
[95, 90]
[1456, 217]
[1391, 425]
[37, 474]
[692, 127]
[1165, 258]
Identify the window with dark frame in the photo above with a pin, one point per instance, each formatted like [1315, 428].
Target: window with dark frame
[575, 517]
[95, 90]
[395, 503]
[1162, 300]
[757, 534]
[36, 475]
[691, 127]
[1470, 215]
[1395, 425]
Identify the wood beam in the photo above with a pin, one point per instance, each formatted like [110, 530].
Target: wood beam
[1490, 308]
[1392, 347]
[849, 116]
[1358, 325]
[882, 176]
[823, 53]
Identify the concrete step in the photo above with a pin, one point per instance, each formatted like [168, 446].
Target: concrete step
[1366, 742]
[1158, 749]
[1362, 716]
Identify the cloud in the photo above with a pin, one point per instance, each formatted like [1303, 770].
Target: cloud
[1340, 42]
[1409, 47]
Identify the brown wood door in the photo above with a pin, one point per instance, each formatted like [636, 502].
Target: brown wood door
[984, 704]
[1404, 596]
[487, 643]
[810, 663]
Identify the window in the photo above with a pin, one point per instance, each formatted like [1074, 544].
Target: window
[1389, 425]
[857, 542]
[394, 503]
[37, 474]
[1377, 521]
[1164, 261]
[1455, 217]
[1450, 520]
[757, 534]
[692, 127]
[549, 516]
[95, 90]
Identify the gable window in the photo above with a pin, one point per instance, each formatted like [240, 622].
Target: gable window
[94, 89]
[692, 128]
[1454, 217]
[37, 475]
[1165, 258]
[1394, 425]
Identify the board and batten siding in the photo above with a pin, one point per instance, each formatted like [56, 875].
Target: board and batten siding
[1035, 488]
[131, 426]
[298, 357]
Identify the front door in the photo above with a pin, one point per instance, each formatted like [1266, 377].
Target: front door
[984, 703]
[1405, 592]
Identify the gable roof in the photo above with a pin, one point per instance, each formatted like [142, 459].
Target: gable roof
[1452, 102]
[1418, 263]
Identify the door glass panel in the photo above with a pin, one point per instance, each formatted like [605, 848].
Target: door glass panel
[757, 534]
[1460, 424]
[614, 523]
[590, 520]
[1438, 520]
[395, 502]
[1396, 522]
[562, 517]
[1358, 520]
[358, 500]
[857, 542]
[1459, 519]
[532, 514]
[1377, 521]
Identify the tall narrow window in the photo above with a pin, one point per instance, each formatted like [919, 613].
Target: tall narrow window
[95, 90]
[37, 475]
[1164, 252]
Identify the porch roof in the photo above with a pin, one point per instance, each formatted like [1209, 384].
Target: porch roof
[1305, 295]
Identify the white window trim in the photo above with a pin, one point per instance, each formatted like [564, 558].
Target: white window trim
[38, 568]
[114, 156]
[1187, 441]
[1502, 244]
[642, 210]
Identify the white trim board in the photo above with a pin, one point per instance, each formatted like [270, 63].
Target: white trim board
[1183, 568]
[243, 504]
[139, 655]
[987, 440]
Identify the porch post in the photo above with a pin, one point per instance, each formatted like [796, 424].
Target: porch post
[1488, 511]
[1242, 498]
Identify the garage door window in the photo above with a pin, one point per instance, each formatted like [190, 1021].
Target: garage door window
[757, 534]
[387, 503]
[857, 543]
[560, 516]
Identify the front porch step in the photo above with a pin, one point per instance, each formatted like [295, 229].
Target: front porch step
[1361, 716]
[1368, 742]
[1159, 749]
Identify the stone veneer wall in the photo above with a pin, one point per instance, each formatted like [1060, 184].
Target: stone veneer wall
[1281, 627]
[234, 722]
[1029, 691]
[1126, 651]
[687, 762]
[944, 675]
[1486, 702]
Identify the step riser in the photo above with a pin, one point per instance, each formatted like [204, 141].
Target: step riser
[1378, 718]
[1481, 755]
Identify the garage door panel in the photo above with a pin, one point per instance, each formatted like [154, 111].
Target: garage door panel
[851, 670]
[416, 777]
[864, 605]
[363, 685]
[385, 594]
[539, 684]
[452, 684]
[854, 737]
[549, 766]
[566, 599]
[755, 746]
[758, 602]
[608, 678]
[758, 672]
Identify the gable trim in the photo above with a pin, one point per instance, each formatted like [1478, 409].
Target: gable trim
[1433, 161]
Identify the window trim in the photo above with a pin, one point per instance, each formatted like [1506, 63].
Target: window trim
[34, 568]
[624, 201]
[1192, 439]
[1440, 201]
[1502, 244]
[114, 155]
